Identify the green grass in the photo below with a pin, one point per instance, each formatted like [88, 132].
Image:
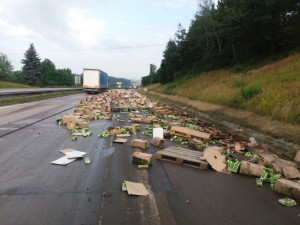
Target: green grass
[272, 90]
[7, 85]
[30, 98]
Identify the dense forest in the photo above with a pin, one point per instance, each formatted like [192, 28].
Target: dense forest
[232, 33]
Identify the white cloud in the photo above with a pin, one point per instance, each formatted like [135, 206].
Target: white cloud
[122, 23]
[14, 30]
[84, 29]
[61, 29]
[178, 3]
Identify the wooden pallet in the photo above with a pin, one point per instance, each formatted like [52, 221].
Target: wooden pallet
[183, 156]
[188, 133]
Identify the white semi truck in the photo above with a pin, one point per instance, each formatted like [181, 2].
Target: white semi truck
[95, 81]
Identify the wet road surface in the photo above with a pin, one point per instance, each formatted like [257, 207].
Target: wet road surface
[32, 191]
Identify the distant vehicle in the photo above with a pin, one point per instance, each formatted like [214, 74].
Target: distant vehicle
[95, 81]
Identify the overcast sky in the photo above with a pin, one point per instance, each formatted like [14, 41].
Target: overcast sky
[120, 37]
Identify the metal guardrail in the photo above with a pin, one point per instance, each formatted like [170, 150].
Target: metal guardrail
[8, 93]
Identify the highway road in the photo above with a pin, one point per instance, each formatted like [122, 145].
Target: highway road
[33, 191]
[20, 91]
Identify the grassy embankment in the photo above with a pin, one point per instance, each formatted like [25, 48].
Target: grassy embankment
[7, 85]
[272, 90]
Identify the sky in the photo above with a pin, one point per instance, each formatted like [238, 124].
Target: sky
[120, 37]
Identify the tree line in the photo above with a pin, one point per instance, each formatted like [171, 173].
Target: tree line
[233, 33]
[34, 71]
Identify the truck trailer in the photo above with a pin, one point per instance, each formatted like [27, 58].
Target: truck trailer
[95, 81]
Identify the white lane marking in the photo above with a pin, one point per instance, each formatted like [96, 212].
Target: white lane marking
[147, 204]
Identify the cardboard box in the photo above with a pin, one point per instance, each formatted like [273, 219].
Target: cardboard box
[288, 188]
[147, 120]
[136, 120]
[114, 130]
[83, 124]
[278, 164]
[297, 156]
[141, 158]
[139, 143]
[167, 133]
[251, 169]
[71, 122]
[152, 117]
[136, 126]
[267, 158]
[195, 143]
[291, 172]
[158, 142]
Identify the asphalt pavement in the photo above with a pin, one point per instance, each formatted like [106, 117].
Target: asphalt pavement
[33, 191]
[31, 91]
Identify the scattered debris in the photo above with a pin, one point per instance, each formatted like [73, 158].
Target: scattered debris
[288, 188]
[253, 141]
[63, 161]
[183, 156]
[120, 140]
[75, 154]
[216, 160]
[158, 142]
[87, 160]
[287, 202]
[139, 143]
[211, 146]
[158, 132]
[251, 169]
[74, 138]
[297, 156]
[145, 166]
[135, 188]
[141, 158]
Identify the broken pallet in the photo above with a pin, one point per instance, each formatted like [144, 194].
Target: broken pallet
[183, 156]
[188, 133]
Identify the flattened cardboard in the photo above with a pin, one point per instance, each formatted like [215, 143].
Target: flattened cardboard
[78, 134]
[62, 161]
[120, 140]
[210, 149]
[158, 132]
[64, 151]
[216, 160]
[136, 188]
[123, 135]
[75, 154]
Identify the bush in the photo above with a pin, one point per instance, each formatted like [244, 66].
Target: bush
[250, 92]
[245, 67]
[239, 84]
